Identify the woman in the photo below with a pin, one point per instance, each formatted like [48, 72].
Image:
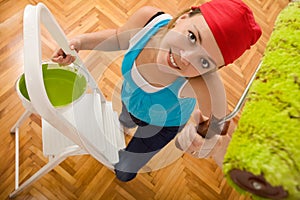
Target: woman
[160, 69]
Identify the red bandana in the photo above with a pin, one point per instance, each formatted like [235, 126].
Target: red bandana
[233, 26]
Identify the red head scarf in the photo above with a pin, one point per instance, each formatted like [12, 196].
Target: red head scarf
[233, 26]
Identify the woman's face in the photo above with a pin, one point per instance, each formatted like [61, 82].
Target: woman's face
[189, 49]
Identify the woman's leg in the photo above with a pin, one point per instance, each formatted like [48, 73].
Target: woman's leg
[125, 118]
[147, 141]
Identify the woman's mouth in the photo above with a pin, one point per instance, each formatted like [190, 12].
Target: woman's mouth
[171, 60]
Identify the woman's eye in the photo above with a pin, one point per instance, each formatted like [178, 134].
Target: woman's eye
[192, 37]
[205, 64]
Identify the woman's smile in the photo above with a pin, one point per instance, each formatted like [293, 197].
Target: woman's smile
[171, 60]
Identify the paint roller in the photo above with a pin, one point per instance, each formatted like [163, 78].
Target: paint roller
[263, 157]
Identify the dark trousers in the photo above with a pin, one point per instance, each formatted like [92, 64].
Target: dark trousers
[147, 141]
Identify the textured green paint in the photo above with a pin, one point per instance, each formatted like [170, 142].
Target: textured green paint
[267, 139]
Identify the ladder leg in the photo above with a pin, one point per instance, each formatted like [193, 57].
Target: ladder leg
[16, 157]
[15, 130]
[24, 116]
[44, 170]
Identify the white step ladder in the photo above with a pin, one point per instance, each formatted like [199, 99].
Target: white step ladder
[88, 126]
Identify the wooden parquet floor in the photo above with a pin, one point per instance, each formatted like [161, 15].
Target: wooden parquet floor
[82, 177]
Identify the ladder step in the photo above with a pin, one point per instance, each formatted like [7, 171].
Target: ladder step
[111, 148]
[96, 123]
[119, 132]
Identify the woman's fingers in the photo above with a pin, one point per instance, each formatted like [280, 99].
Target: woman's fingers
[203, 148]
[186, 137]
[199, 117]
[60, 57]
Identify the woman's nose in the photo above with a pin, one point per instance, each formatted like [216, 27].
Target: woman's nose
[184, 56]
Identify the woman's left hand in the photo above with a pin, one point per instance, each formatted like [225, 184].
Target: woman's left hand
[192, 143]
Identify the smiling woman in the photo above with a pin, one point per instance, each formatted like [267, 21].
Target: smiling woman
[163, 61]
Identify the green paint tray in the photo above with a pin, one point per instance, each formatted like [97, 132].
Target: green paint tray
[62, 83]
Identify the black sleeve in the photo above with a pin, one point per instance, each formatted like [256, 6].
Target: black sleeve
[157, 14]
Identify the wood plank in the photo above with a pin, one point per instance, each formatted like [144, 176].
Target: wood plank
[82, 177]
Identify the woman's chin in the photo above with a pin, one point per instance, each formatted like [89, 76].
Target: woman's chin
[168, 69]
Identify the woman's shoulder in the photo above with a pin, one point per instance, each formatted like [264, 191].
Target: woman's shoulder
[134, 24]
[139, 18]
[146, 13]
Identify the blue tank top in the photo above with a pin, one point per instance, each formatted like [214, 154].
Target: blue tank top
[163, 107]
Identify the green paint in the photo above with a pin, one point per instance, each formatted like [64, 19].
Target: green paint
[267, 139]
[63, 86]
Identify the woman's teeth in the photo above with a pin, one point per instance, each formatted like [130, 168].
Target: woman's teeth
[172, 60]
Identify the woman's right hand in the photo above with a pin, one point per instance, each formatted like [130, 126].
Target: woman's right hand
[59, 56]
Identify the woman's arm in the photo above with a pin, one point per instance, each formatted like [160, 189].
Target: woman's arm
[110, 39]
[209, 91]
[197, 88]
[211, 98]
[117, 39]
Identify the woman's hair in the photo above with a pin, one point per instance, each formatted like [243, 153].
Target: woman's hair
[191, 14]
